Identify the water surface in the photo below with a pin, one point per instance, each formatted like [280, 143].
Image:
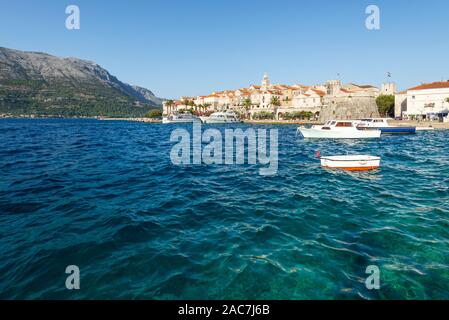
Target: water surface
[105, 196]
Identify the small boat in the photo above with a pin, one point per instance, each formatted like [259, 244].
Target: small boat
[221, 117]
[383, 125]
[425, 128]
[180, 118]
[338, 129]
[351, 162]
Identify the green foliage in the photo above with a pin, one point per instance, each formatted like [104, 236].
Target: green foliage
[298, 115]
[385, 105]
[67, 100]
[263, 115]
[154, 113]
[247, 103]
[275, 101]
[169, 103]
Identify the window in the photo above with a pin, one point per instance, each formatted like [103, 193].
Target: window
[344, 124]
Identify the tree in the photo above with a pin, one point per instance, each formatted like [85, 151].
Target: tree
[263, 115]
[385, 105]
[247, 105]
[154, 113]
[447, 100]
[275, 101]
[169, 103]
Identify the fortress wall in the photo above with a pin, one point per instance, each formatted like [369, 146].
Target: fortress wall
[349, 108]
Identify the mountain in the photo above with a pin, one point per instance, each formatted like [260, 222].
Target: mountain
[147, 95]
[42, 84]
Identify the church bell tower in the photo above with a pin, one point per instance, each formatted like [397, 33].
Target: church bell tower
[265, 81]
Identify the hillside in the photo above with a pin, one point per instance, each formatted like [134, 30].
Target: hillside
[42, 84]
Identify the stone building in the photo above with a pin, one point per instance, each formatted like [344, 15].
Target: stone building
[426, 101]
[331, 100]
[349, 101]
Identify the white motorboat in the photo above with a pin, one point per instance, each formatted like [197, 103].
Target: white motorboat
[180, 118]
[351, 162]
[383, 125]
[221, 117]
[338, 129]
[425, 128]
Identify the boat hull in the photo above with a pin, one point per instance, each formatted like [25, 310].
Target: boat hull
[425, 128]
[351, 163]
[168, 121]
[212, 121]
[393, 130]
[317, 133]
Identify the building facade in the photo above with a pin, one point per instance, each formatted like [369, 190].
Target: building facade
[426, 101]
[283, 101]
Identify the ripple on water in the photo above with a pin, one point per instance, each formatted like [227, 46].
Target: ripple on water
[105, 196]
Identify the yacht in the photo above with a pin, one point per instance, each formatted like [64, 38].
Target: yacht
[383, 125]
[181, 118]
[221, 117]
[338, 129]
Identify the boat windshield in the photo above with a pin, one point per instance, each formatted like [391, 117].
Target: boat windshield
[344, 124]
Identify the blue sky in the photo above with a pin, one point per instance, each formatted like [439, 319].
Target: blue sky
[193, 47]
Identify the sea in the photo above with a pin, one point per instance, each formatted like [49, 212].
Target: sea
[105, 196]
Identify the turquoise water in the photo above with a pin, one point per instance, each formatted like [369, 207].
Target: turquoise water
[105, 196]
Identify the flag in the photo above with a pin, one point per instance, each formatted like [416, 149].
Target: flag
[389, 74]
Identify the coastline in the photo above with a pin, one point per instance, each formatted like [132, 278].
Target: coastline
[146, 120]
[422, 124]
[405, 123]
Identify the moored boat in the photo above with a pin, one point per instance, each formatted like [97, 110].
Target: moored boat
[221, 117]
[351, 162]
[180, 118]
[338, 129]
[425, 128]
[383, 125]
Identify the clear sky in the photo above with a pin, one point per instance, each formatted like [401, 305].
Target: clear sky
[193, 47]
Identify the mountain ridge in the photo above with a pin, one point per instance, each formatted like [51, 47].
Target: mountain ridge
[40, 83]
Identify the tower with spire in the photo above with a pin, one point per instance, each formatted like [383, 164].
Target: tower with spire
[265, 81]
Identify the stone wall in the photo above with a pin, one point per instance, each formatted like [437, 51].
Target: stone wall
[349, 108]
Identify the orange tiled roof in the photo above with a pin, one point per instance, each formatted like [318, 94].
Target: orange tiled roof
[319, 92]
[433, 85]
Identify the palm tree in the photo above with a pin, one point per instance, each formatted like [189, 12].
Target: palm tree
[247, 104]
[169, 103]
[186, 102]
[275, 102]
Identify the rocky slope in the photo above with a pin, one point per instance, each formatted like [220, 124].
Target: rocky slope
[39, 83]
